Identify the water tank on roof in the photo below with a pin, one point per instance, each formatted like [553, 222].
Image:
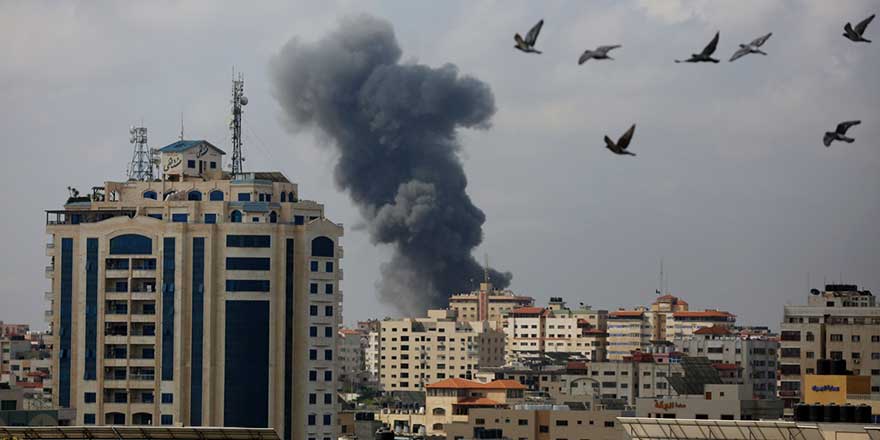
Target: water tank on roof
[831, 414]
[863, 414]
[847, 414]
[802, 412]
[816, 412]
[823, 367]
[838, 367]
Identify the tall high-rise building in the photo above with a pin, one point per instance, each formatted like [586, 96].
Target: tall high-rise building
[199, 298]
[839, 323]
[669, 317]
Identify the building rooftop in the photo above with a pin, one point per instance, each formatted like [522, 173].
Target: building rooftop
[713, 330]
[457, 383]
[183, 145]
[703, 314]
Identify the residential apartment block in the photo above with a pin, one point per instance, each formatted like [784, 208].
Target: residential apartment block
[747, 360]
[668, 318]
[841, 322]
[417, 351]
[201, 298]
[487, 304]
[533, 332]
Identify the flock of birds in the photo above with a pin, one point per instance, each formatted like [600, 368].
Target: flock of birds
[855, 34]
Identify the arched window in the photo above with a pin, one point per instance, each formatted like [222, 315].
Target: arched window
[283, 196]
[322, 247]
[235, 216]
[437, 427]
[439, 412]
[194, 195]
[151, 195]
[216, 195]
[273, 217]
[290, 197]
[131, 244]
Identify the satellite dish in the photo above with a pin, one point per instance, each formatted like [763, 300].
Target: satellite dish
[814, 291]
[244, 100]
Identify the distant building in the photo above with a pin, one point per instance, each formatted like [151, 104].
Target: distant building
[418, 351]
[487, 304]
[669, 317]
[352, 365]
[748, 360]
[533, 332]
[526, 421]
[9, 330]
[201, 298]
[840, 323]
[716, 402]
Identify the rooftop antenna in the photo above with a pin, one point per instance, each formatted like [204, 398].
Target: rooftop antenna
[181, 125]
[141, 166]
[238, 101]
[486, 269]
[660, 290]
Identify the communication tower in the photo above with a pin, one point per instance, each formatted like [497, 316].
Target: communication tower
[238, 101]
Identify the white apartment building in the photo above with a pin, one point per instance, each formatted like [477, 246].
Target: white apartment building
[532, 332]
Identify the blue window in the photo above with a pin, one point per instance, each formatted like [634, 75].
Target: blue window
[248, 241]
[328, 355]
[328, 398]
[89, 419]
[328, 332]
[273, 217]
[198, 325]
[210, 219]
[283, 196]
[328, 289]
[313, 288]
[155, 216]
[313, 331]
[148, 353]
[64, 334]
[313, 266]
[121, 286]
[213, 165]
[179, 218]
[299, 220]
[194, 195]
[328, 311]
[328, 376]
[91, 339]
[268, 197]
[322, 247]
[191, 164]
[313, 354]
[313, 375]
[167, 419]
[168, 268]
[290, 197]
[151, 195]
[244, 197]
[313, 398]
[131, 244]
[167, 398]
[90, 398]
[311, 420]
[215, 195]
[147, 397]
[248, 263]
[327, 419]
[246, 355]
[235, 216]
[247, 285]
[328, 267]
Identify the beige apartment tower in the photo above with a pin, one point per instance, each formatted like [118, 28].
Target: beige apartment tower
[199, 298]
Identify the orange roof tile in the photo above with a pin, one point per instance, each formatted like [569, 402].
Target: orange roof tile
[528, 310]
[713, 330]
[504, 384]
[454, 382]
[477, 401]
[703, 314]
[625, 313]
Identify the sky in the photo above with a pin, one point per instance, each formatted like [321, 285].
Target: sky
[731, 185]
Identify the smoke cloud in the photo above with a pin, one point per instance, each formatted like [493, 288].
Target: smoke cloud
[394, 126]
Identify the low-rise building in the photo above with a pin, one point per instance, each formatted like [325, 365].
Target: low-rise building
[418, 351]
[716, 401]
[526, 422]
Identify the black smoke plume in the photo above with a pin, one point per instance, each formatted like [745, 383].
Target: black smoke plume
[394, 126]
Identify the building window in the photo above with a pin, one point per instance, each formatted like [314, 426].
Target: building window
[328, 332]
[313, 288]
[215, 195]
[167, 398]
[328, 311]
[328, 398]
[210, 219]
[247, 286]
[131, 244]
[313, 375]
[313, 310]
[313, 354]
[150, 195]
[328, 267]
[327, 419]
[856, 338]
[544, 428]
[313, 398]
[609, 424]
[194, 196]
[290, 197]
[244, 197]
[89, 398]
[255, 219]
[190, 163]
[248, 263]
[562, 423]
[328, 355]
[322, 247]
[328, 289]
[167, 419]
[273, 217]
[248, 241]
[299, 220]
[523, 422]
[283, 196]
[312, 419]
[89, 419]
[328, 376]
[313, 266]
[235, 217]
[313, 331]
[213, 165]
[836, 338]
[179, 218]
[155, 216]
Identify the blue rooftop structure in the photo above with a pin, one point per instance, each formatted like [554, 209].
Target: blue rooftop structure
[184, 145]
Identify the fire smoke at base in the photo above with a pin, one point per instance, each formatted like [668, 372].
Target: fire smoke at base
[394, 127]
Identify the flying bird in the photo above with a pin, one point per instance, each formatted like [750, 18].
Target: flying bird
[856, 34]
[622, 143]
[839, 133]
[745, 49]
[528, 45]
[600, 53]
[706, 54]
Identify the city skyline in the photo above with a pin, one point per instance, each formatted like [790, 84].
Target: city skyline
[740, 213]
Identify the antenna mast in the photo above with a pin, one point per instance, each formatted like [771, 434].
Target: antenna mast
[141, 166]
[238, 101]
[486, 269]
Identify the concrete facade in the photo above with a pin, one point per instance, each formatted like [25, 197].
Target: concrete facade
[548, 423]
[718, 402]
[532, 332]
[197, 299]
[487, 304]
[838, 323]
